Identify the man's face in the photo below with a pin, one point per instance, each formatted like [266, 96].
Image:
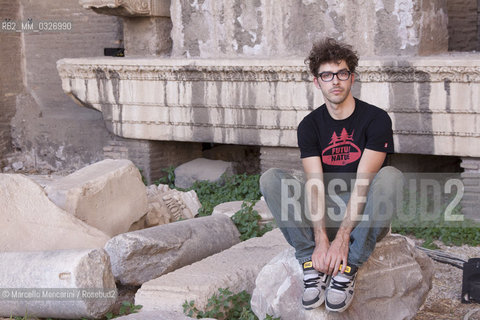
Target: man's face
[334, 91]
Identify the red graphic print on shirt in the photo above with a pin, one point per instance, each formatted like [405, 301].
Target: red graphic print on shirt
[341, 150]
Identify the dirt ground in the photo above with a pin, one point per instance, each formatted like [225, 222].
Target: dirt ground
[443, 301]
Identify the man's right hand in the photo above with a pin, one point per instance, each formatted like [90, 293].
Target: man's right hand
[319, 254]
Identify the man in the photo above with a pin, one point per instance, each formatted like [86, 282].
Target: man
[343, 136]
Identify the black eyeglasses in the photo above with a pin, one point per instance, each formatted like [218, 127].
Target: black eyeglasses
[327, 76]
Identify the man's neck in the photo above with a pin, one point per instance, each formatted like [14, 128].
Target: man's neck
[343, 110]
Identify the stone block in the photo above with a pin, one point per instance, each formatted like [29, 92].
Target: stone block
[30, 221]
[392, 284]
[201, 169]
[66, 284]
[157, 315]
[142, 255]
[230, 208]
[235, 268]
[108, 195]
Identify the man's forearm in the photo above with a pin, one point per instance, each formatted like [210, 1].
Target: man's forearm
[355, 206]
[315, 194]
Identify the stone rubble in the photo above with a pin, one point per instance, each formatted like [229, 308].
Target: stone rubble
[166, 205]
[31, 222]
[142, 255]
[108, 195]
[235, 268]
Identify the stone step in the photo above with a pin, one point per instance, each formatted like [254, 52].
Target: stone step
[235, 268]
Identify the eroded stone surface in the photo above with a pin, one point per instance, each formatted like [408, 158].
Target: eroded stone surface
[108, 195]
[30, 221]
[272, 28]
[69, 284]
[235, 268]
[392, 284]
[146, 254]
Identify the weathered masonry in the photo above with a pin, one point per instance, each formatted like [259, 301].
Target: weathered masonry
[235, 74]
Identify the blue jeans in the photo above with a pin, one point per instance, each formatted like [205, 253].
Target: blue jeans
[294, 222]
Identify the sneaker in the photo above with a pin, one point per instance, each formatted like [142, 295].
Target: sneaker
[339, 293]
[315, 283]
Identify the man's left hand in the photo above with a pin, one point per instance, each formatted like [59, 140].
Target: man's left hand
[338, 253]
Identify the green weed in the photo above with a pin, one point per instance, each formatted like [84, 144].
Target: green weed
[224, 306]
[435, 225]
[247, 222]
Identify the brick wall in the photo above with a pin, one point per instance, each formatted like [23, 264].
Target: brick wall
[463, 25]
[11, 76]
[152, 156]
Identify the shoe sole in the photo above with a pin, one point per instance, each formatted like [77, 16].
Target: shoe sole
[315, 305]
[342, 308]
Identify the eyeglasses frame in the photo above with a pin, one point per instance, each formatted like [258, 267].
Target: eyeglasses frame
[335, 74]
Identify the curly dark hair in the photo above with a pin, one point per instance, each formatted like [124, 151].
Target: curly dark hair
[330, 50]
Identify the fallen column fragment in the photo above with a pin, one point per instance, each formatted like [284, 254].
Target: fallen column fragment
[146, 254]
[66, 284]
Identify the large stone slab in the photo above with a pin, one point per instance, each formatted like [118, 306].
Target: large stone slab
[66, 284]
[235, 268]
[201, 169]
[392, 284]
[146, 254]
[30, 221]
[108, 195]
[433, 100]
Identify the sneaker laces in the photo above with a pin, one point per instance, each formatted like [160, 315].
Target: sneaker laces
[340, 285]
[311, 282]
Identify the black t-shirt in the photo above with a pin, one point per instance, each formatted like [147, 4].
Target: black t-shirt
[340, 143]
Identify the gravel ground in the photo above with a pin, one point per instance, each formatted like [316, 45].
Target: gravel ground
[443, 301]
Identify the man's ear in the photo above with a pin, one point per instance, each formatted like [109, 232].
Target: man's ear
[315, 81]
[353, 77]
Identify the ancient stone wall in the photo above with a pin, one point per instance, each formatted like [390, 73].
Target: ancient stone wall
[463, 25]
[11, 80]
[226, 28]
[47, 128]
